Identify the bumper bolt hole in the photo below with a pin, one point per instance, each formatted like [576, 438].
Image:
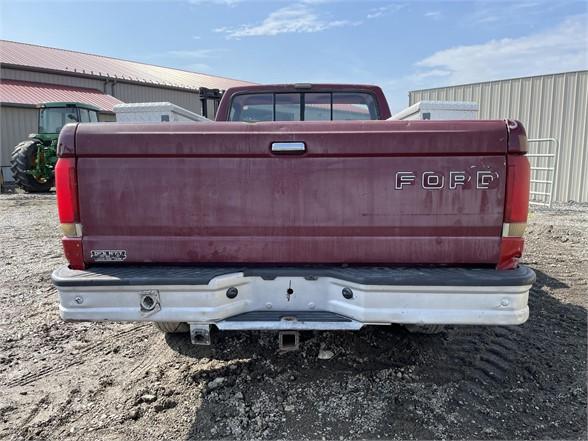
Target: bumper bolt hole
[232, 292]
[347, 293]
[147, 303]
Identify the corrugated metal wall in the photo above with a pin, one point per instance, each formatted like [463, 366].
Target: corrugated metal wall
[549, 106]
[15, 124]
[134, 93]
[49, 78]
[127, 92]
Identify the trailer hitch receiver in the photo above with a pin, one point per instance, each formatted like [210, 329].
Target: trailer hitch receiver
[200, 334]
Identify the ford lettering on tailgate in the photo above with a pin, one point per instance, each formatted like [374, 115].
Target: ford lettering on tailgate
[430, 180]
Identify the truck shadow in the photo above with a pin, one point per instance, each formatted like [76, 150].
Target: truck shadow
[466, 382]
[545, 280]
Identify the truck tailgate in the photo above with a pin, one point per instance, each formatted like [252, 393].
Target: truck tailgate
[397, 192]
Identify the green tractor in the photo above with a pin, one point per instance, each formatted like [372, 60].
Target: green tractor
[33, 161]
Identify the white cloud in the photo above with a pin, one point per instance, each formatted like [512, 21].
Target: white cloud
[562, 48]
[375, 13]
[431, 74]
[524, 5]
[382, 10]
[485, 18]
[512, 14]
[289, 19]
[433, 14]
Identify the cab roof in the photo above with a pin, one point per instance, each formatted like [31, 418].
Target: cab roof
[68, 104]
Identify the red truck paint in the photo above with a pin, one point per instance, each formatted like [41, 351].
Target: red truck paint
[215, 193]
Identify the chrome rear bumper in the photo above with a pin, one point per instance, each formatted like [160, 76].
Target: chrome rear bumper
[300, 298]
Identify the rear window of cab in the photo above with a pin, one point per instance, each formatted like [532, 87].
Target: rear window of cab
[305, 106]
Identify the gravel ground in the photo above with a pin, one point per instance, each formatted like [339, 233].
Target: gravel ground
[112, 381]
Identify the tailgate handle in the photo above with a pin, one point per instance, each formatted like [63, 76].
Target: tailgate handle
[288, 147]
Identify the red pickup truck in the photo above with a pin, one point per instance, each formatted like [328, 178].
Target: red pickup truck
[300, 208]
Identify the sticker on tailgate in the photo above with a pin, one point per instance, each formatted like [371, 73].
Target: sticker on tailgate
[108, 255]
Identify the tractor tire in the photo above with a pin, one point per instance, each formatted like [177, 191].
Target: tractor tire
[172, 327]
[22, 161]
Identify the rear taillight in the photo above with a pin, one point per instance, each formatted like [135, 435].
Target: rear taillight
[516, 208]
[518, 177]
[66, 187]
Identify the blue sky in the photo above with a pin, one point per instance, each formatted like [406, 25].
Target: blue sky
[399, 45]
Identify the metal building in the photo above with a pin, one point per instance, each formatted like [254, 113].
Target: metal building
[31, 74]
[549, 106]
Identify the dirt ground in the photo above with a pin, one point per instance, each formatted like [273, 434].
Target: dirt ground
[113, 381]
